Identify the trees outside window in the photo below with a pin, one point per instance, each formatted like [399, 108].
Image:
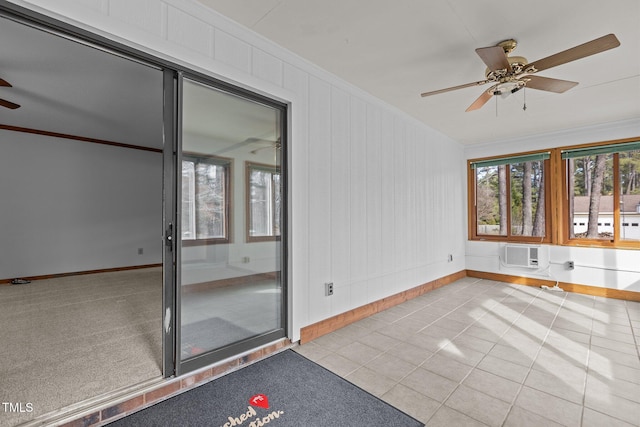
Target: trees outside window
[205, 211]
[603, 196]
[264, 194]
[585, 195]
[509, 198]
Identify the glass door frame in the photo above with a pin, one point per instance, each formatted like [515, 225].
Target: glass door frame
[246, 345]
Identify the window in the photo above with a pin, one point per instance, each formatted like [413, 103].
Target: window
[205, 204]
[508, 198]
[264, 192]
[581, 195]
[602, 193]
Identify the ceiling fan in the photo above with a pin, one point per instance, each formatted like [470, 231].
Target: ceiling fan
[4, 102]
[509, 74]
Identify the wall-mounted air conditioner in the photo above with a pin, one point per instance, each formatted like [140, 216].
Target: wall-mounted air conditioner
[521, 256]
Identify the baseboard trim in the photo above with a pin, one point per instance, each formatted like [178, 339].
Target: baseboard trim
[569, 287]
[80, 273]
[316, 330]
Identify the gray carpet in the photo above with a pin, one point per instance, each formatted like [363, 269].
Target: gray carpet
[284, 390]
[68, 339]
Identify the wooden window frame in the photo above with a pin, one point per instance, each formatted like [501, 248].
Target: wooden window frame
[227, 163]
[249, 166]
[557, 221]
[616, 242]
[471, 184]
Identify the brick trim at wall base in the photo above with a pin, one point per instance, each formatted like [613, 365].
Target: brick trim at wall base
[121, 406]
[316, 330]
[569, 287]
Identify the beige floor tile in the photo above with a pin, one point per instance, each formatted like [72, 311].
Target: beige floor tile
[568, 384]
[338, 364]
[430, 343]
[390, 366]
[332, 341]
[622, 347]
[477, 344]
[371, 381]
[597, 385]
[511, 354]
[353, 331]
[312, 351]
[493, 385]
[551, 407]
[411, 402]
[429, 384]
[519, 417]
[614, 371]
[478, 405]
[484, 333]
[446, 367]
[605, 355]
[614, 406]
[511, 371]
[591, 418]
[447, 417]
[410, 353]
[379, 341]
[438, 331]
[358, 352]
[464, 355]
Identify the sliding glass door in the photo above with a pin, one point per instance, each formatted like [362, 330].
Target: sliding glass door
[230, 225]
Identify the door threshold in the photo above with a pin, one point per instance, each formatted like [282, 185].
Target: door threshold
[89, 406]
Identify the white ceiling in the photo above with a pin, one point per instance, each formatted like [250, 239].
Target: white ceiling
[396, 50]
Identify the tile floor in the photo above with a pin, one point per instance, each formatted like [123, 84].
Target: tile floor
[484, 353]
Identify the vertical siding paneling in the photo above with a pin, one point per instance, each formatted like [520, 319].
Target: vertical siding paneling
[358, 190]
[320, 203]
[232, 51]
[400, 201]
[189, 32]
[144, 14]
[374, 192]
[267, 67]
[387, 196]
[339, 183]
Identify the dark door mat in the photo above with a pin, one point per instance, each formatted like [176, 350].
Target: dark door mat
[284, 390]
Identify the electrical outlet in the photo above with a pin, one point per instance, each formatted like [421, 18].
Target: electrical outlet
[140, 251]
[328, 289]
[570, 265]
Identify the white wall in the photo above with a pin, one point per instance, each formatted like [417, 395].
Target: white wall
[377, 199]
[609, 268]
[72, 206]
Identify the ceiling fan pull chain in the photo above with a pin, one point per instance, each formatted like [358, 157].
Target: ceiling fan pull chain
[524, 93]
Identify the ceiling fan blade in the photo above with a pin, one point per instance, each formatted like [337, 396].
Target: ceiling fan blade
[8, 104]
[435, 92]
[494, 57]
[598, 45]
[5, 83]
[550, 85]
[482, 99]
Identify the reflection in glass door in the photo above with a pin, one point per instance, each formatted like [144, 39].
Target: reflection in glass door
[231, 222]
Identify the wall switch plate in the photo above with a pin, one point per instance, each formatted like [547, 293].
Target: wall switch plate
[140, 251]
[328, 289]
[450, 258]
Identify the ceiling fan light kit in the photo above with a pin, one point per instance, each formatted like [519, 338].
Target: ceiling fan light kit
[509, 74]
